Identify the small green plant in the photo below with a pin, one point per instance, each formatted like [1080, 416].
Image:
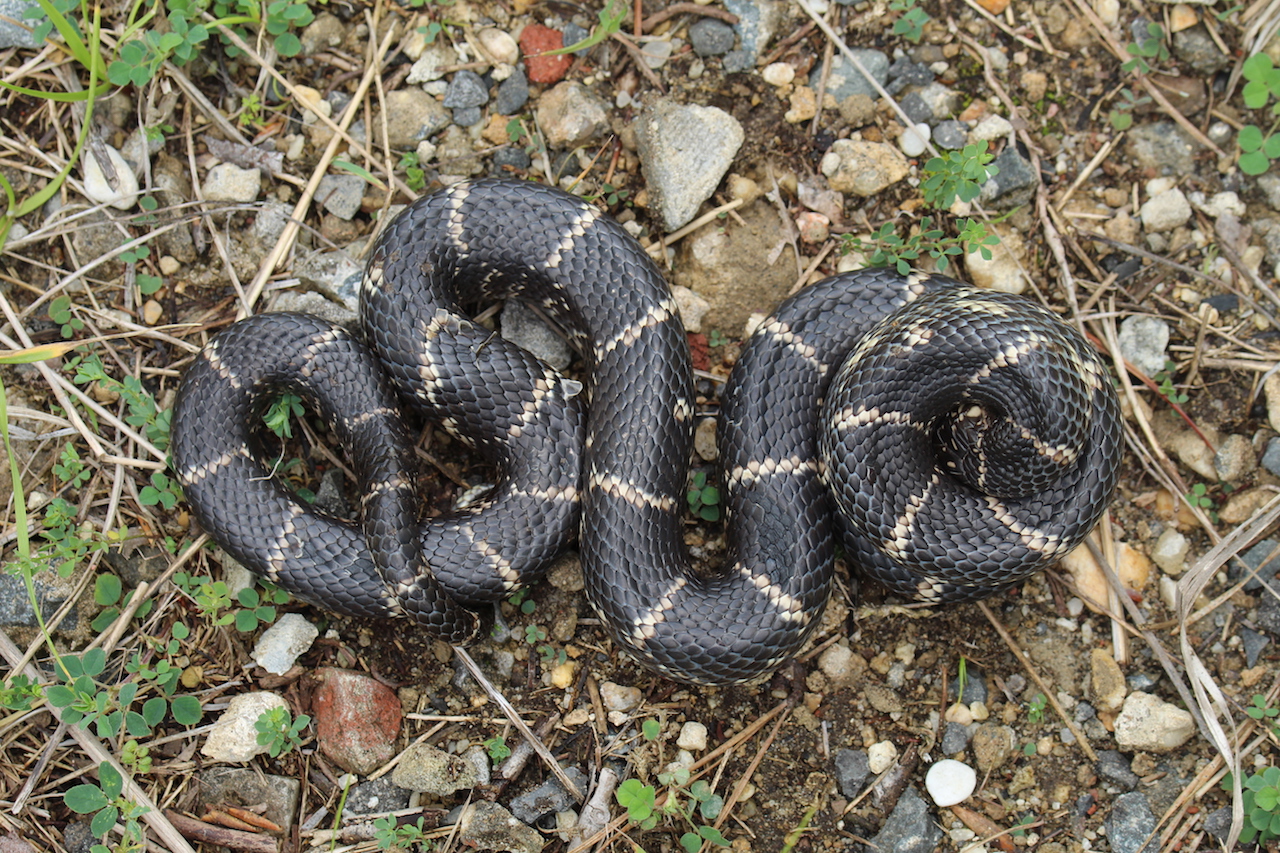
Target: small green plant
[497, 748]
[414, 174]
[1151, 47]
[534, 634]
[1164, 382]
[1264, 713]
[885, 248]
[85, 701]
[523, 601]
[638, 799]
[66, 542]
[280, 414]
[279, 731]
[957, 175]
[62, 312]
[911, 24]
[163, 491]
[704, 500]
[610, 195]
[136, 758]
[1259, 148]
[1020, 828]
[650, 729]
[19, 693]
[405, 836]
[143, 413]
[1035, 709]
[1261, 796]
[1121, 115]
[716, 338]
[70, 468]
[1198, 497]
[108, 805]
[1029, 750]
[213, 597]
[147, 284]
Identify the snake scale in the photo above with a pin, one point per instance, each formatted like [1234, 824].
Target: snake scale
[968, 438]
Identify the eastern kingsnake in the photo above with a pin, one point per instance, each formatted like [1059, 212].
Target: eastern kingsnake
[976, 438]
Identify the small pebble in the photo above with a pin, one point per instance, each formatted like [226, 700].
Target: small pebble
[693, 737]
[950, 782]
[778, 74]
[619, 698]
[913, 139]
[880, 756]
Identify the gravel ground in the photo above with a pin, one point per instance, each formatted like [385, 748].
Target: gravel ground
[754, 146]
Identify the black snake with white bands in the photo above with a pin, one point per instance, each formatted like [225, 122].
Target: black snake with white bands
[969, 438]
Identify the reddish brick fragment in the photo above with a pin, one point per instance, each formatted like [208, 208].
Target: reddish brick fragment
[536, 39]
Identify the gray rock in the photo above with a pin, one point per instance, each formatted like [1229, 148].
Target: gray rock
[233, 737]
[737, 61]
[1218, 823]
[1143, 681]
[429, 770]
[915, 108]
[512, 158]
[1164, 147]
[910, 828]
[513, 94]
[685, 150]
[1084, 712]
[281, 644]
[78, 836]
[324, 32]
[341, 195]
[309, 302]
[15, 35]
[571, 115]
[51, 593]
[466, 89]
[852, 769]
[467, 116]
[1195, 47]
[906, 72]
[335, 274]
[1150, 724]
[863, 168]
[376, 796]
[527, 330]
[1143, 340]
[1114, 767]
[1253, 643]
[1269, 183]
[330, 496]
[941, 100]
[1013, 185]
[1253, 560]
[548, 797]
[951, 134]
[228, 182]
[429, 64]
[758, 21]
[277, 796]
[1130, 824]
[1269, 614]
[488, 826]
[1234, 458]
[710, 37]
[975, 687]
[1165, 212]
[846, 80]
[955, 738]
[412, 116]
[1271, 456]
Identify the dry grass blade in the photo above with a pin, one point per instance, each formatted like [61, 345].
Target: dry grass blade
[1214, 707]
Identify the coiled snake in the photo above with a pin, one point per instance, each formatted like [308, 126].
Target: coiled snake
[969, 438]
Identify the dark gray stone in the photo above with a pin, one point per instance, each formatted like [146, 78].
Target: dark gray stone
[1257, 558]
[710, 37]
[737, 61]
[1224, 303]
[852, 770]
[513, 94]
[904, 72]
[955, 738]
[951, 134]
[916, 109]
[1114, 767]
[1269, 614]
[512, 158]
[1085, 712]
[466, 89]
[1253, 643]
[1271, 456]
[1013, 185]
[1130, 824]
[1218, 823]
[910, 828]
[1143, 681]
[330, 497]
[1163, 146]
[1197, 49]
[975, 686]
[574, 34]
[15, 609]
[547, 798]
[379, 795]
[846, 80]
[467, 116]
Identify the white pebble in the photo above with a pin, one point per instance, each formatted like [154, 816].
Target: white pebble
[693, 737]
[880, 756]
[778, 74]
[913, 139]
[949, 782]
[99, 189]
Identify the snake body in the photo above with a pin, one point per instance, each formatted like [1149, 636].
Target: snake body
[968, 438]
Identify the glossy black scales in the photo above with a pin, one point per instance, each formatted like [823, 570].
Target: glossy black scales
[950, 471]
